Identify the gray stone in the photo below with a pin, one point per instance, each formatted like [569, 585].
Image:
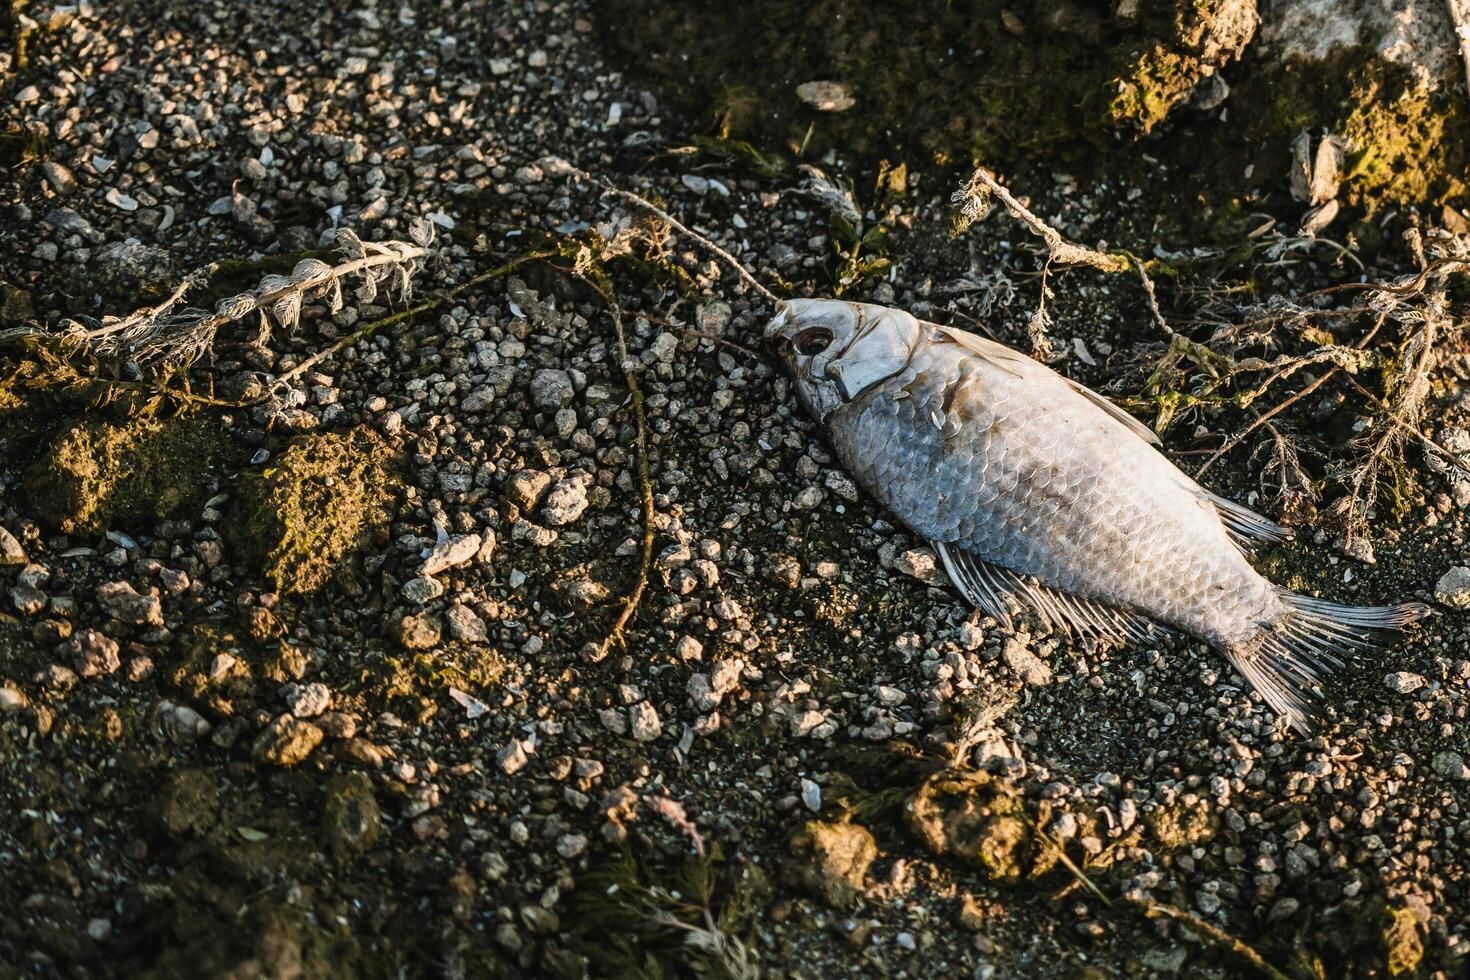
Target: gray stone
[551, 389]
[565, 503]
[451, 552]
[1453, 588]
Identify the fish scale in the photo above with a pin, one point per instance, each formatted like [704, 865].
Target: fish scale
[1037, 490]
[1074, 505]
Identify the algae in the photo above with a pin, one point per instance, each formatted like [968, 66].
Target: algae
[1410, 145]
[952, 81]
[976, 818]
[1402, 946]
[97, 475]
[831, 860]
[302, 518]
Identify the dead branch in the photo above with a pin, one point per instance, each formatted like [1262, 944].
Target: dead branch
[734, 263]
[1208, 931]
[974, 200]
[1263, 419]
[368, 329]
[165, 334]
[645, 480]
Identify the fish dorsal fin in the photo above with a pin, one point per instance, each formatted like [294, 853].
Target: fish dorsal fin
[1244, 524]
[989, 587]
[1014, 362]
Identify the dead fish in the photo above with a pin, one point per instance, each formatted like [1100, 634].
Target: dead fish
[1036, 490]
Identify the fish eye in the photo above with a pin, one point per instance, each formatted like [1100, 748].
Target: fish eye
[812, 341]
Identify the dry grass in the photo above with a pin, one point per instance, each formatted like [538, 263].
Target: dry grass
[1287, 363]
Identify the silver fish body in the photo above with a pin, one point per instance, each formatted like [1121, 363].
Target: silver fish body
[1034, 489]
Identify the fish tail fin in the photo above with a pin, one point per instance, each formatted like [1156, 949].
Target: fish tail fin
[1285, 661]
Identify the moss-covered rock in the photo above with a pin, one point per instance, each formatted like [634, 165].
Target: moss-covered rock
[303, 518]
[831, 860]
[1408, 141]
[97, 475]
[979, 819]
[1180, 826]
[351, 818]
[1078, 84]
[988, 78]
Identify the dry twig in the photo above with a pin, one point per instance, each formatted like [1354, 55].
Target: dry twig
[642, 202]
[164, 334]
[974, 201]
[1207, 931]
[645, 480]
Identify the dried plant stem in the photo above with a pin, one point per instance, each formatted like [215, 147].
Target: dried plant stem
[1210, 932]
[368, 329]
[1392, 414]
[1058, 249]
[1070, 865]
[1264, 418]
[193, 279]
[974, 200]
[1152, 909]
[732, 261]
[645, 479]
[1153, 299]
[1410, 288]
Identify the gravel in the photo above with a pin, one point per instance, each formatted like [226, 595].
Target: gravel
[468, 747]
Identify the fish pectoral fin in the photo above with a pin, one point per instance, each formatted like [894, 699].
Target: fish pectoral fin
[1128, 422]
[1244, 524]
[991, 588]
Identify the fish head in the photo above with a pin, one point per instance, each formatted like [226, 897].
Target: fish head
[837, 350]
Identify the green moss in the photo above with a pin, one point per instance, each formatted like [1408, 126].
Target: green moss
[1402, 946]
[1157, 82]
[1410, 146]
[191, 670]
[99, 474]
[978, 818]
[1181, 826]
[305, 516]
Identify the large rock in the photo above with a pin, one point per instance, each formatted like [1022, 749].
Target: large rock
[1067, 82]
[99, 475]
[831, 860]
[1383, 75]
[304, 518]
